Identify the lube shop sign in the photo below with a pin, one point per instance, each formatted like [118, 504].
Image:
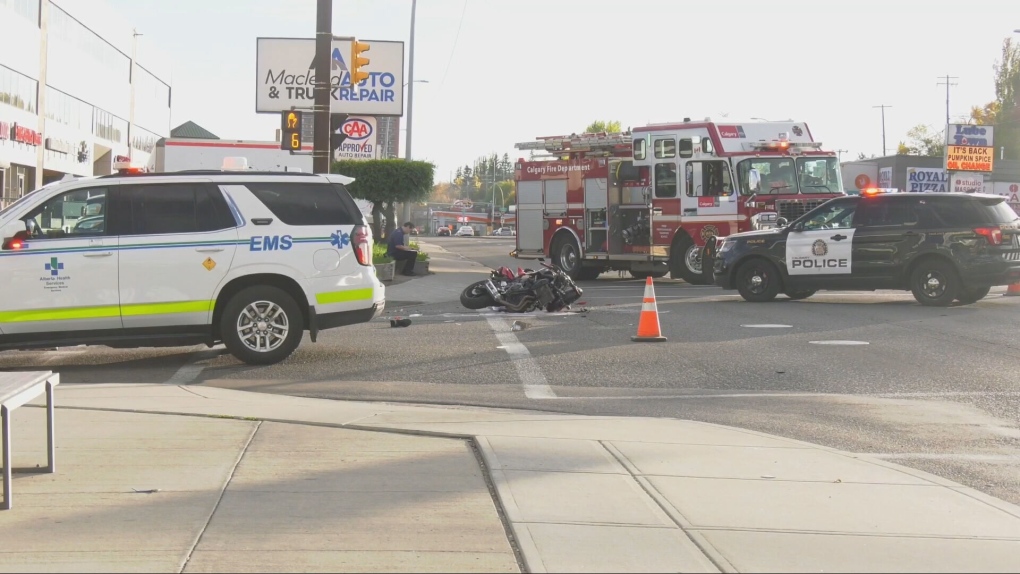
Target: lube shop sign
[927, 179]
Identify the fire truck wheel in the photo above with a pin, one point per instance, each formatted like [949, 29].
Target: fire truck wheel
[758, 281]
[567, 256]
[685, 261]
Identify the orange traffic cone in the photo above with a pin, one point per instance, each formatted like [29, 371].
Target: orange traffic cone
[648, 330]
[1013, 290]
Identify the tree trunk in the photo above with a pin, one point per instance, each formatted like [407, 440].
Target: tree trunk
[391, 217]
[377, 214]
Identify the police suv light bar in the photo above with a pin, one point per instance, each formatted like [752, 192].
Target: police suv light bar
[235, 164]
[125, 168]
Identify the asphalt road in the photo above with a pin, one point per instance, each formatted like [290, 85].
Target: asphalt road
[936, 389]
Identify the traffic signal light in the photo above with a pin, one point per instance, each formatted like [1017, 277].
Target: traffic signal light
[358, 61]
[290, 130]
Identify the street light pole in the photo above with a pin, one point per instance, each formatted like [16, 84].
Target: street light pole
[883, 106]
[410, 100]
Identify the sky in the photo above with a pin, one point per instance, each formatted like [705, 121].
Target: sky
[507, 71]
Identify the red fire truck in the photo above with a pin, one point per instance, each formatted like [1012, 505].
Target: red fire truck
[646, 201]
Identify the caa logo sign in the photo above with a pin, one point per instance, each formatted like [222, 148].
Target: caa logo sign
[357, 129]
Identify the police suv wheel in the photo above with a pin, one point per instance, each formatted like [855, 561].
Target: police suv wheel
[797, 295]
[935, 283]
[758, 281]
[261, 325]
[973, 294]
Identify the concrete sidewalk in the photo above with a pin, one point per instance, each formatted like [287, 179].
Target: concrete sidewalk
[268, 482]
[449, 275]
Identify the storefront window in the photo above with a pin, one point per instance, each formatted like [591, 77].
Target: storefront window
[17, 90]
[63, 26]
[28, 9]
[110, 127]
[67, 110]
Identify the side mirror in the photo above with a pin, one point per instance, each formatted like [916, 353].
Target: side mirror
[754, 180]
[782, 222]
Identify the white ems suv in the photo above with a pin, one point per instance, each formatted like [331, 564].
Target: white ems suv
[244, 258]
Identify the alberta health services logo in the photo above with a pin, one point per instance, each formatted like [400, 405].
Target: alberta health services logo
[55, 278]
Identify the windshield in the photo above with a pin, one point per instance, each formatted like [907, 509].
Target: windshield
[20, 201]
[780, 175]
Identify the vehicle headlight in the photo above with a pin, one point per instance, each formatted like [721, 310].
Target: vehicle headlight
[724, 245]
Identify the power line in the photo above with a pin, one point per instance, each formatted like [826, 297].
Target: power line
[883, 107]
[453, 50]
[948, 83]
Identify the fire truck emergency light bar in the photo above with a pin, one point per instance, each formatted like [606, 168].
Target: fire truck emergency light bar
[780, 145]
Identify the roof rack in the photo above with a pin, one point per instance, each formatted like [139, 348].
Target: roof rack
[209, 172]
[587, 143]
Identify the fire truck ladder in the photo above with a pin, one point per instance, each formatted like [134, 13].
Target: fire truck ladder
[589, 144]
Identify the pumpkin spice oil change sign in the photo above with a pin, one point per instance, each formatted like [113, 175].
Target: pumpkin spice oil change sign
[970, 148]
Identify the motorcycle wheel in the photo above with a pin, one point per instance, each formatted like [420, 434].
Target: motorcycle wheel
[476, 296]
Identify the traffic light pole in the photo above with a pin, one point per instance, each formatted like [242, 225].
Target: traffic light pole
[320, 111]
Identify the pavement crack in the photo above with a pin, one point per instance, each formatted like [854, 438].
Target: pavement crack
[219, 499]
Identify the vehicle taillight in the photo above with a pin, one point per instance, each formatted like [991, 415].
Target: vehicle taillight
[362, 246]
[992, 234]
[14, 244]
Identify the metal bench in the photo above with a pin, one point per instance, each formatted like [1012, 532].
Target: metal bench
[17, 389]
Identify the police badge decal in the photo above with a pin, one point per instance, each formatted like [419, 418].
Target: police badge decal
[819, 248]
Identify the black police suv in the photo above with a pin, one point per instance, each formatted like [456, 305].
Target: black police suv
[943, 247]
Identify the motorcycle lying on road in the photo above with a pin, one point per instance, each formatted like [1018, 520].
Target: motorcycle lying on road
[526, 290]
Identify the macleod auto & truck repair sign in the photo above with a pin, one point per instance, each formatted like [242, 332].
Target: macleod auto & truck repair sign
[285, 77]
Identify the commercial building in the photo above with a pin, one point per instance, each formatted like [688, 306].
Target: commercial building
[922, 173]
[79, 90]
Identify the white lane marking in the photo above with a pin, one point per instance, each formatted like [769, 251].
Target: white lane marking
[768, 326]
[528, 371]
[839, 342]
[934, 395]
[1014, 458]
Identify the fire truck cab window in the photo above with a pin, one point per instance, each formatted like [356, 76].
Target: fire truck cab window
[639, 149]
[686, 147]
[776, 176]
[708, 179]
[665, 148]
[706, 146]
[665, 180]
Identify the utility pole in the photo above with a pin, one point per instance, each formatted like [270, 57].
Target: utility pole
[410, 99]
[883, 107]
[948, 83]
[323, 68]
[839, 155]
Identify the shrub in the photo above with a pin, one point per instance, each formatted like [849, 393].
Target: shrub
[422, 256]
[379, 254]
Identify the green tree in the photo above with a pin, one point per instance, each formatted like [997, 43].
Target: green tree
[599, 126]
[1004, 111]
[386, 182]
[922, 140]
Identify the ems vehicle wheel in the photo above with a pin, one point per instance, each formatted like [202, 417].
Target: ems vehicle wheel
[796, 295]
[476, 296]
[935, 283]
[758, 281]
[685, 261]
[567, 256]
[973, 294]
[261, 325]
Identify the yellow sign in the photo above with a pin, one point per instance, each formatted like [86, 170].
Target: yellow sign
[968, 158]
[209, 263]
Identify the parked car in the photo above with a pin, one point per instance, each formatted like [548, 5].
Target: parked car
[505, 231]
[443, 232]
[465, 231]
